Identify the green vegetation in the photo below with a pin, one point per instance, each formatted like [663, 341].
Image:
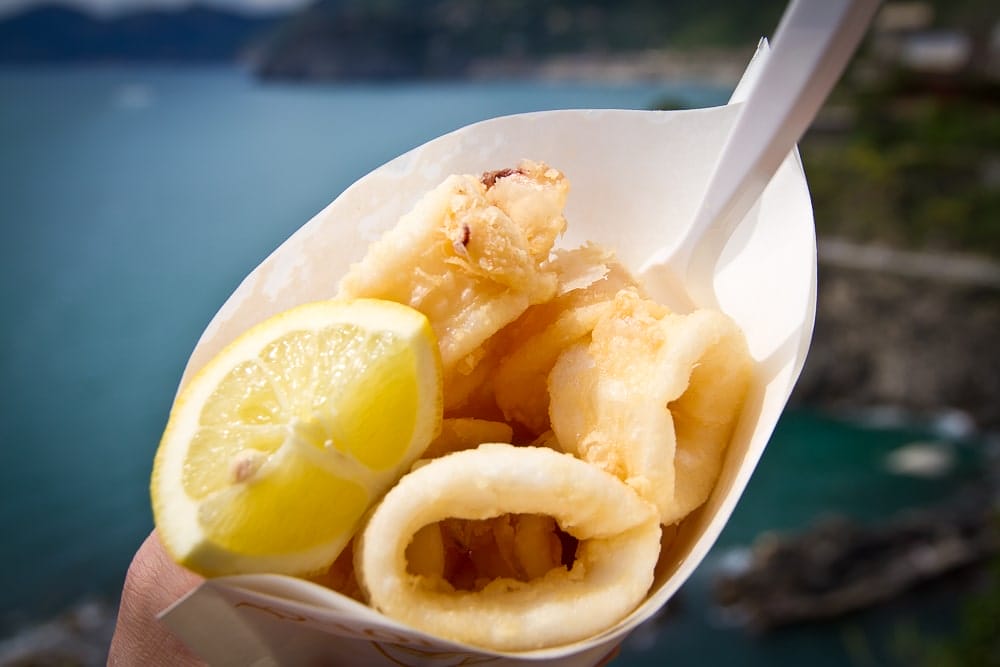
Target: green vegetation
[917, 165]
[975, 642]
[338, 39]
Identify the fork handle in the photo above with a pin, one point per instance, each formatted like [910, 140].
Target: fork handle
[811, 47]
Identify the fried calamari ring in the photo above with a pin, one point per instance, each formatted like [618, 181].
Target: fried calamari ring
[653, 398]
[618, 533]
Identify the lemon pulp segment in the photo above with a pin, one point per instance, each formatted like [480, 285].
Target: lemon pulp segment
[275, 450]
[267, 517]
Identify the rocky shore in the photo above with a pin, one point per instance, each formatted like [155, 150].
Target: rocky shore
[720, 67]
[915, 331]
[838, 566]
[78, 637]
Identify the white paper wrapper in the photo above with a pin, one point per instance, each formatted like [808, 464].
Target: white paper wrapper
[636, 180]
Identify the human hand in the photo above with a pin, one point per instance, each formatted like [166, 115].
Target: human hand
[153, 582]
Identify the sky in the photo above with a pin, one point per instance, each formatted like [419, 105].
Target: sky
[111, 7]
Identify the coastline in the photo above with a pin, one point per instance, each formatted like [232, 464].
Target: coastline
[913, 332]
[721, 67]
[714, 66]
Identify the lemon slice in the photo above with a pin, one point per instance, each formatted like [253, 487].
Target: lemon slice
[277, 447]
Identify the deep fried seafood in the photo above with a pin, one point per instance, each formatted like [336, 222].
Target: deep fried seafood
[466, 433]
[512, 546]
[653, 399]
[471, 394]
[589, 278]
[470, 256]
[340, 576]
[426, 553]
[618, 533]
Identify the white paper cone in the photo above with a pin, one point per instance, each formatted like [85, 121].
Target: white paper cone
[635, 182]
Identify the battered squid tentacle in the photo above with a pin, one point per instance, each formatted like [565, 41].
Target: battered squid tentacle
[618, 534]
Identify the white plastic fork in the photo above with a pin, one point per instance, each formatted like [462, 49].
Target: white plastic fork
[810, 49]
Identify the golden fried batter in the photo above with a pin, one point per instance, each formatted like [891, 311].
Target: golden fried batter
[653, 399]
[471, 256]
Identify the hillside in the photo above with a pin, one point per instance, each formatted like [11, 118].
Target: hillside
[60, 34]
[357, 39]
[354, 39]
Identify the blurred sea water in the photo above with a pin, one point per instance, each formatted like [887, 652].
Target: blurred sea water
[133, 201]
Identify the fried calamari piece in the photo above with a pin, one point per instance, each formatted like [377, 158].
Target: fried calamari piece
[425, 554]
[618, 537]
[653, 399]
[471, 394]
[589, 278]
[521, 547]
[466, 433]
[471, 256]
[340, 575]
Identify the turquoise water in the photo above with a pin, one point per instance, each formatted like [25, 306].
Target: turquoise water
[134, 200]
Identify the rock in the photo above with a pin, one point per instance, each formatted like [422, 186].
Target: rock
[839, 566]
[923, 340]
[79, 636]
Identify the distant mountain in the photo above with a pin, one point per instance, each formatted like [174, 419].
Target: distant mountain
[364, 39]
[345, 39]
[194, 34]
